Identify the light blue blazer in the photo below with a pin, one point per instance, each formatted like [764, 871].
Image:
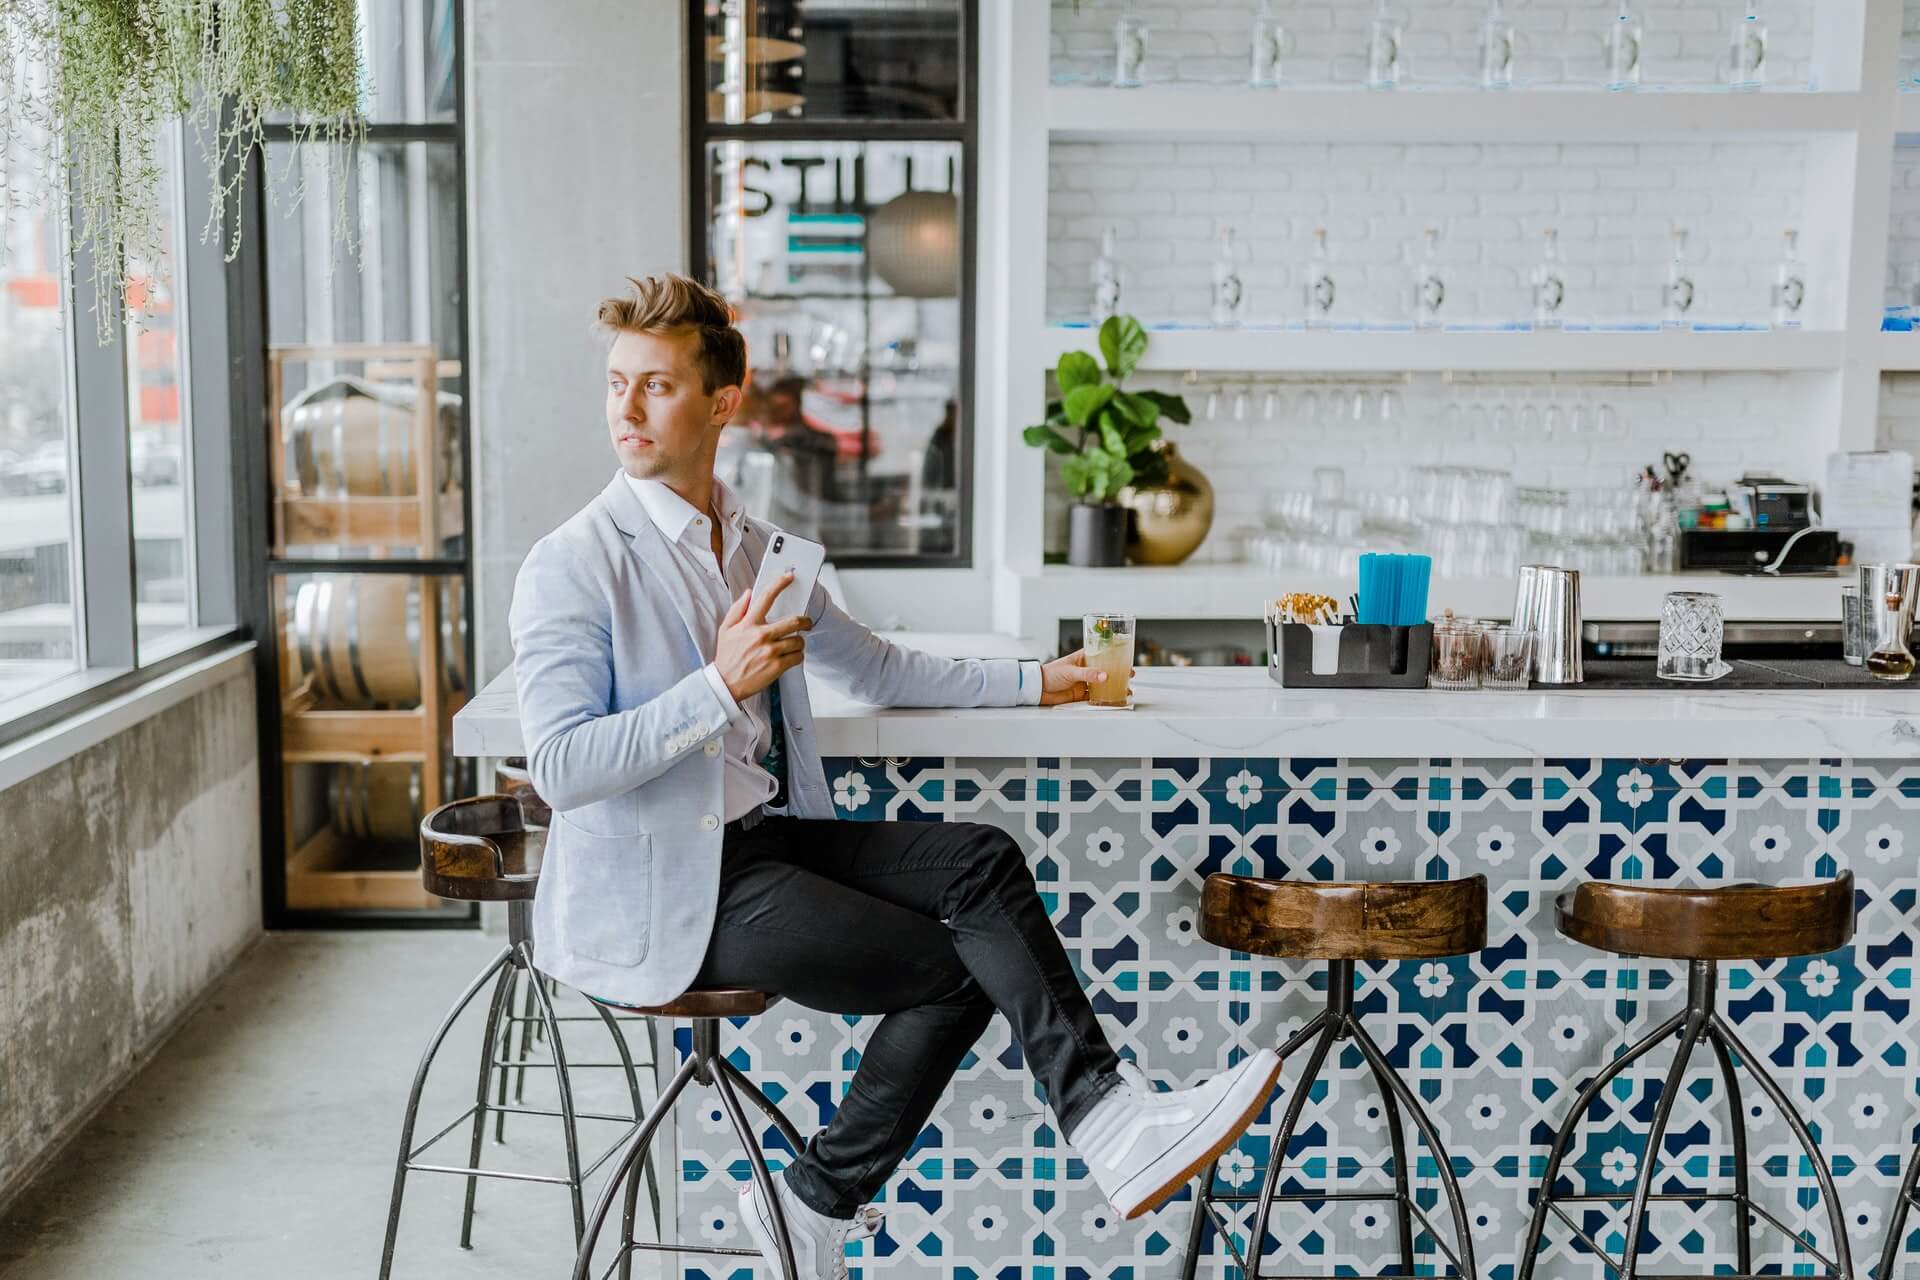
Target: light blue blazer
[623, 738]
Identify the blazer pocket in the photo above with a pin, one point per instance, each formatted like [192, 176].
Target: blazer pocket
[609, 894]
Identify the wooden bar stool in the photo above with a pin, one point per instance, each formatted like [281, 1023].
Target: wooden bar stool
[524, 1029]
[1342, 924]
[1702, 927]
[705, 1065]
[481, 850]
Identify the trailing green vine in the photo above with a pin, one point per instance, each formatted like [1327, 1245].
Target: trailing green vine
[91, 83]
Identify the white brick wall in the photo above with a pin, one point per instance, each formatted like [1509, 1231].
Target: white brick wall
[1903, 222]
[1555, 40]
[1729, 423]
[1614, 205]
[1900, 412]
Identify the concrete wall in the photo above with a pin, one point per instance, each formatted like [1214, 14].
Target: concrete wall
[129, 880]
[577, 179]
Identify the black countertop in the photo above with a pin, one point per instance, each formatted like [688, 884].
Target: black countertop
[1747, 673]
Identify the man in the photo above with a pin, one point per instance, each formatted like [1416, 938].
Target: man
[667, 723]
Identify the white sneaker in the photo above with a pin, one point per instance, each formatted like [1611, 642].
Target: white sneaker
[1141, 1145]
[819, 1242]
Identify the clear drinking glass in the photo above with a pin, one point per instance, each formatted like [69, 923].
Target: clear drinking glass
[1107, 639]
[1456, 656]
[1507, 657]
[1129, 51]
[1853, 626]
[1692, 629]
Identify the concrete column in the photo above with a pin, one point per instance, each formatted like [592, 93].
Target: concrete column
[577, 178]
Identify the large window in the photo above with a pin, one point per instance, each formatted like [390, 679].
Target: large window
[39, 624]
[102, 577]
[833, 157]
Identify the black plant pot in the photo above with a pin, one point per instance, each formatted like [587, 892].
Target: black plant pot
[1096, 535]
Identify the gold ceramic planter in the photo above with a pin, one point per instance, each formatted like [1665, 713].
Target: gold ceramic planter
[1170, 519]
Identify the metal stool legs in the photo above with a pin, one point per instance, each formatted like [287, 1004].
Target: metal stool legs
[1897, 1225]
[1333, 1024]
[513, 963]
[706, 1066]
[1699, 1021]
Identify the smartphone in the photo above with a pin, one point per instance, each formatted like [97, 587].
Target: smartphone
[804, 558]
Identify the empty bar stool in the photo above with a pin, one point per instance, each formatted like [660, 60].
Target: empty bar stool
[1341, 924]
[705, 1065]
[1702, 927]
[481, 850]
[522, 1026]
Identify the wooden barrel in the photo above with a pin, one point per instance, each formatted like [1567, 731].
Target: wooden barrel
[376, 801]
[358, 637]
[345, 442]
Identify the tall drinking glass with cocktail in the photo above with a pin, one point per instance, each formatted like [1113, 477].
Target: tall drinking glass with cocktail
[1107, 642]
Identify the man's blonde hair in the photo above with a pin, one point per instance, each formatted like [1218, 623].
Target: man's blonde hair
[671, 303]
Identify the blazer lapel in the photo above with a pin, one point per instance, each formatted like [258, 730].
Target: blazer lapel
[651, 546]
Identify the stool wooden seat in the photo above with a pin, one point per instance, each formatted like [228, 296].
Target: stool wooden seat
[480, 850]
[1297, 919]
[1728, 922]
[1702, 927]
[1342, 924]
[703, 1002]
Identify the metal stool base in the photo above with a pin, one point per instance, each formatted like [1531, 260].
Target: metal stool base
[1333, 1024]
[705, 1065]
[503, 972]
[1909, 1197]
[1700, 1022]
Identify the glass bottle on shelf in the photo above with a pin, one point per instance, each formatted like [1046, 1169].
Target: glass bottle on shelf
[1429, 285]
[1496, 48]
[1549, 285]
[1320, 292]
[1228, 294]
[1383, 49]
[1789, 285]
[1129, 51]
[1268, 45]
[1623, 49]
[1106, 280]
[1677, 298]
[1747, 50]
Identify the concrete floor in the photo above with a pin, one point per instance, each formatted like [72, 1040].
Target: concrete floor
[261, 1140]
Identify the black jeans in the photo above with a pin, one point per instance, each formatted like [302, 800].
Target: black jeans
[935, 925]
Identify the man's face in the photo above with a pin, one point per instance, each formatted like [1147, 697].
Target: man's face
[663, 422]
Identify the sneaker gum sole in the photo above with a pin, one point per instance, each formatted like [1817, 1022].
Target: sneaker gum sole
[1149, 1203]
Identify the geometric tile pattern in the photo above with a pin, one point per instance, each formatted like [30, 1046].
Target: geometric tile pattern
[1496, 1043]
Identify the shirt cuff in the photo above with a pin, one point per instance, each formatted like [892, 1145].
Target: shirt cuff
[1032, 683]
[722, 693]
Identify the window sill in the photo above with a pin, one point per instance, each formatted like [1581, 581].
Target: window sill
[89, 707]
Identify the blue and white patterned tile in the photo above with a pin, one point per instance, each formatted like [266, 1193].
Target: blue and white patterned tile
[1496, 1043]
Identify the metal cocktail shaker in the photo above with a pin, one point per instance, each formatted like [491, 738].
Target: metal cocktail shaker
[1547, 602]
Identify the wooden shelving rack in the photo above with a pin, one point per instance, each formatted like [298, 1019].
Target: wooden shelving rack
[321, 871]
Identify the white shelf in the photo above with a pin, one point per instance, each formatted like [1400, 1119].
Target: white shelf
[1351, 114]
[1227, 591]
[1281, 351]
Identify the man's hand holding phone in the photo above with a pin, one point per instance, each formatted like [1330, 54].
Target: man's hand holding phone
[751, 653]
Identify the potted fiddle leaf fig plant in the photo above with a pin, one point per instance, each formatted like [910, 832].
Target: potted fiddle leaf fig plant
[1106, 438]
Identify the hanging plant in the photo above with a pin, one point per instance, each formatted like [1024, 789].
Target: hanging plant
[92, 83]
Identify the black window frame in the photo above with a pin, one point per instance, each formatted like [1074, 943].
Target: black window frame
[965, 131]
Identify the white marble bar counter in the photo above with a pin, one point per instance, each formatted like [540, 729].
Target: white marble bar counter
[1214, 711]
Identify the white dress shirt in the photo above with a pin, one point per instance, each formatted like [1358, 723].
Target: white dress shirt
[713, 588]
